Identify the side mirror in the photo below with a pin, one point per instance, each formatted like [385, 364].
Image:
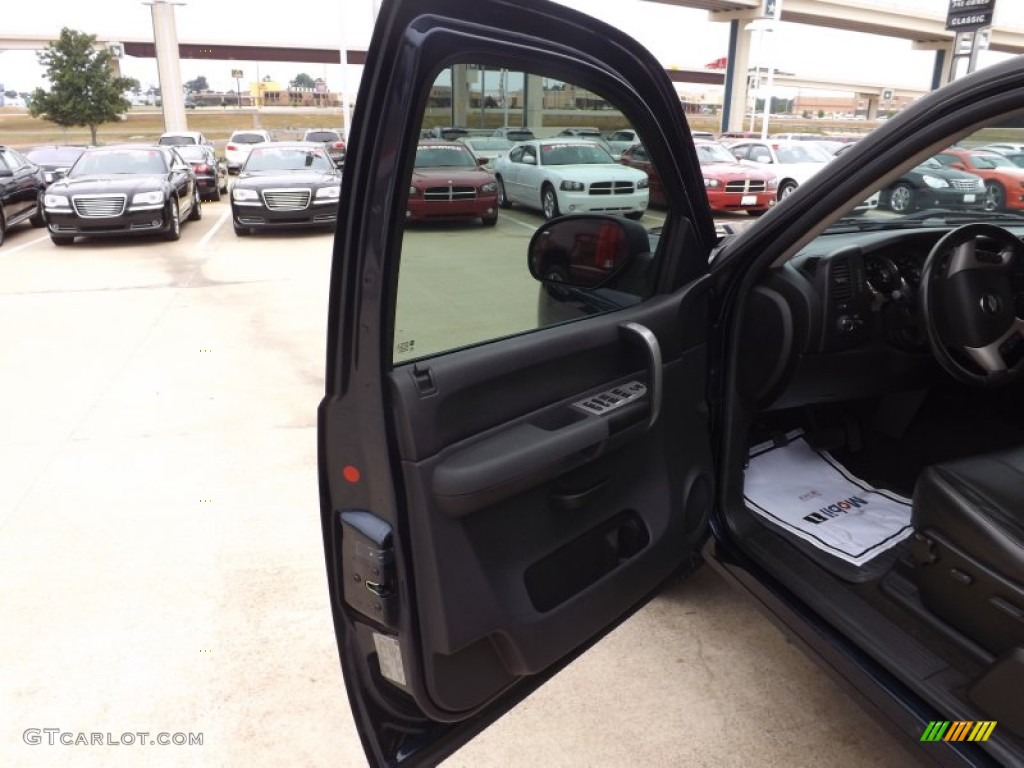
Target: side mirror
[586, 250]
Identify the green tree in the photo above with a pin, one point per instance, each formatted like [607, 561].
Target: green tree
[197, 85]
[83, 88]
[302, 80]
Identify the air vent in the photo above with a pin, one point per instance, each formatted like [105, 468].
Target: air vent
[842, 285]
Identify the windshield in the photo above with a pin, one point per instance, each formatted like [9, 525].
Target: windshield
[195, 154]
[55, 155]
[247, 138]
[177, 141]
[323, 136]
[984, 162]
[574, 154]
[455, 156]
[119, 161]
[714, 153]
[287, 159]
[802, 153]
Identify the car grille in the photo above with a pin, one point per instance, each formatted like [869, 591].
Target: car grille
[965, 185]
[286, 199]
[612, 188]
[449, 193]
[746, 185]
[99, 206]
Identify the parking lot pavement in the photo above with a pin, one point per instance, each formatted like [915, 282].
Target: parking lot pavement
[162, 559]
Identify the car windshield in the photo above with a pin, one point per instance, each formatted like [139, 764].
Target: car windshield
[55, 155]
[119, 161]
[194, 154]
[323, 136]
[489, 144]
[714, 153]
[802, 153]
[442, 156]
[287, 159]
[177, 141]
[985, 162]
[247, 138]
[574, 154]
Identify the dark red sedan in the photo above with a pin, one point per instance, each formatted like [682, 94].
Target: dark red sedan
[448, 183]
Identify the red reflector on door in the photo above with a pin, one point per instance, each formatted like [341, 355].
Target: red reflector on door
[350, 473]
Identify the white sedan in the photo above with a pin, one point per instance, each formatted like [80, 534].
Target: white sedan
[793, 162]
[562, 175]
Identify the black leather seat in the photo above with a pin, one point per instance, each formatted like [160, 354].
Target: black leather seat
[968, 516]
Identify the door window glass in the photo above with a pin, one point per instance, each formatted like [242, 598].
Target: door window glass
[464, 276]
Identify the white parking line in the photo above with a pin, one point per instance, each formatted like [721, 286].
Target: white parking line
[23, 246]
[514, 220]
[213, 230]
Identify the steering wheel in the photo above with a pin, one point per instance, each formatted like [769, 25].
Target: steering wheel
[967, 305]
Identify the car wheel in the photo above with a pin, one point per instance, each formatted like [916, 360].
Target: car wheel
[62, 239]
[38, 220]
[995, 196]
[635, 215]
[549, 202]
[197, 207]
[901, 198]
[503, 200]
[173, 222]
[489, 221]
[786, 189]
[215, 197]
[242, 231]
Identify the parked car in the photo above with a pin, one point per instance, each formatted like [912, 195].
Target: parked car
[21, 188]
[211, 171]
[285, 185]
[1014, 156]
[240, 143]
[933, 185]
[569, 175]
[449, 184]
[824, 409]
[332, 140]
[123, 190]
[55, 160]
[446, 132]
[1004, 180]
[793, 162]
[621, 140]
[487, 148]
[183, 138]
[514, 134]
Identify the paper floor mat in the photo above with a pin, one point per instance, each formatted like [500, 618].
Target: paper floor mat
[809, 494]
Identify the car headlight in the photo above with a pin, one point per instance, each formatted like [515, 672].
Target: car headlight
[243, 194]
[773, 182]
[572, 186]
[328, 193]
[155, 197]
[643, 183]
[934, 182]
[489, 188]
[56, 201]
[712, 183]
[413, 191]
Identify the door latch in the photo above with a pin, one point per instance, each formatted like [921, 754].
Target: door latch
[368, 566]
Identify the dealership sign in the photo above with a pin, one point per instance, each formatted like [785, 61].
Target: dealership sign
[969, 14]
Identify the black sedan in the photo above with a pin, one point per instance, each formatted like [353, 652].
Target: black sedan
[933, 185]
[55, 160]
[123, 190]
[286, 185]
[211, 171]
[21, 187]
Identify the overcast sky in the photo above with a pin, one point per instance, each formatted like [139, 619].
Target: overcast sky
[679, 37]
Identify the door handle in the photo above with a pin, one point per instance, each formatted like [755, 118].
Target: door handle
[645, 338]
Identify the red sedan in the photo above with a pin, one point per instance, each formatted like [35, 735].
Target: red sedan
[729, 185]
[448, 183]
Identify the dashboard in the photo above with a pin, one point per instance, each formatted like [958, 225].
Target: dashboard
[841, 320]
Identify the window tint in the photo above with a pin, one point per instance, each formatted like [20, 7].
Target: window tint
[247, 138]
[177, 141]
[464, 277]
[324, 136]
[54, 155]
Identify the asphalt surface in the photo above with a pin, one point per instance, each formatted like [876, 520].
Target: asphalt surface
[161, 555]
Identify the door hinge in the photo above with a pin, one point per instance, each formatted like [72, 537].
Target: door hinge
[368, 566]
